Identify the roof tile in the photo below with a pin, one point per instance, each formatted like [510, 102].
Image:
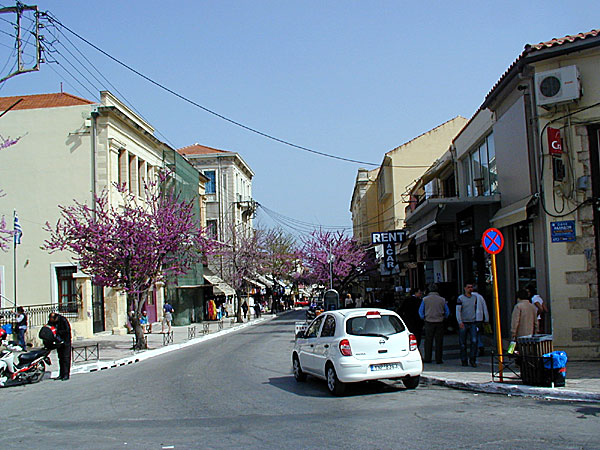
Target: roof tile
[198, 149]
[38, 101]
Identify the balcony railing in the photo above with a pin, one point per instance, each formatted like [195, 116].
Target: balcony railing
[37, 315]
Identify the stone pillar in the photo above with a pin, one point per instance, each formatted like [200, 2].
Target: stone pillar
[83, 326]
[115, 310]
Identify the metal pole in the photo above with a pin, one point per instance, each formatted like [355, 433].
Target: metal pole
[497, 319]
[14, 263]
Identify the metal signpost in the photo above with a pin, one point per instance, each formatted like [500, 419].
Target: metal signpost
[493, 243]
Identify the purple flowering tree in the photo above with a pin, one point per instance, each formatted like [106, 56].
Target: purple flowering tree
[238, 259]
[349, 259]
[281, 255]
[132, 245]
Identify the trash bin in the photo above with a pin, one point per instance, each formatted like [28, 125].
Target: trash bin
[532, 350]
[555, 364]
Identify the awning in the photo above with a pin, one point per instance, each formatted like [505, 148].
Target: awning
[513, 213]
[255, 283]
[419, 228]
[264, 280]
[219, 286]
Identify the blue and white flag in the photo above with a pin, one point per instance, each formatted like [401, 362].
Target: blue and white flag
[18, 231]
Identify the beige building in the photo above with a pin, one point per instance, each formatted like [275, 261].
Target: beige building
[70, 149]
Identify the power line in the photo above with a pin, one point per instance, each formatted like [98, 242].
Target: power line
[214, 113]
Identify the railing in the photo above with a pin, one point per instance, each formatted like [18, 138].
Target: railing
[37, 315]
[85, 352]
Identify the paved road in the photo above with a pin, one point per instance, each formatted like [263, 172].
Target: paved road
[237, 391]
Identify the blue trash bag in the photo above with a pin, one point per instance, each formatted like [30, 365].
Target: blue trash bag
[555, 360]
[8, 328]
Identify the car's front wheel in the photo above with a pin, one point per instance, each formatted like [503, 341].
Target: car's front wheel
[299, 375]
[335, 386]
[411, 382]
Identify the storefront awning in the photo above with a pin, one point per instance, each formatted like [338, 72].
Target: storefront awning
[255, 283]
[513, 213]
[419, 228]
[219, 286]
[264, 280]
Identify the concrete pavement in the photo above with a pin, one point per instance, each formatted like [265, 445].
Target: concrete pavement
[582, 384]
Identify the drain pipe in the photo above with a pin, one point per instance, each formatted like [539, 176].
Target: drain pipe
[94, 116]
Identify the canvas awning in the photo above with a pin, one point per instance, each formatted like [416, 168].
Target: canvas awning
[513, 213]
[219, 286]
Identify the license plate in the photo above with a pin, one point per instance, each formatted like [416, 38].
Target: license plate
[385, 366]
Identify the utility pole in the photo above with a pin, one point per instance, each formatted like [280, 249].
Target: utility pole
[18, 10]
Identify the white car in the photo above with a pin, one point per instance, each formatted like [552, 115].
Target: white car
[351, 345]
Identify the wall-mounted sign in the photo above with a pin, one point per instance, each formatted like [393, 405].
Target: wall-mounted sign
[554, 141]
[563, 231]
[381, 237]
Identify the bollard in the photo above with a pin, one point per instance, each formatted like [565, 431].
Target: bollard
[220, 324]
[205, 328]
[191, 332]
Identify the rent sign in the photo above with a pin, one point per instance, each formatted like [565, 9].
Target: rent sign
[388, 239]
[381, 237]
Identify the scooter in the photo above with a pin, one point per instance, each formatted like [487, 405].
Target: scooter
[25, 368]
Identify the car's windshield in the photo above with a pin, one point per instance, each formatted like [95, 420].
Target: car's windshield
[384, 325]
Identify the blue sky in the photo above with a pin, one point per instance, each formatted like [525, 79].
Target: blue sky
[351, 78]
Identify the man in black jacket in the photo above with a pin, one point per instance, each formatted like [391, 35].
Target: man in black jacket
[63, 331]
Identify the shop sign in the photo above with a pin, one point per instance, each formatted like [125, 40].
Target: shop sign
[554, 141]
[563, 231]
[382, 237]
[389, 251]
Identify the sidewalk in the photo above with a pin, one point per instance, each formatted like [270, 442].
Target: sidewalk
[582, 383]
[117, 350]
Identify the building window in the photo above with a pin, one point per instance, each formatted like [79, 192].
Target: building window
[211, 186]
[211, 228]
[481, 174]
[67, 290]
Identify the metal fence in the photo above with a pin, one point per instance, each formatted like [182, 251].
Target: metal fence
[37, 315]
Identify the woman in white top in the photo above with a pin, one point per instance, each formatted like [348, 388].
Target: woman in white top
[538, 302]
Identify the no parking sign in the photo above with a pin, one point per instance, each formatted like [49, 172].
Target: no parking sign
[492, 241]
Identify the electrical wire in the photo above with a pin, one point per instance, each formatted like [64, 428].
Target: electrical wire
[541, 180]
[214, 113]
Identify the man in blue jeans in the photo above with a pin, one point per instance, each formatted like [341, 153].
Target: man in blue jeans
[466, 316]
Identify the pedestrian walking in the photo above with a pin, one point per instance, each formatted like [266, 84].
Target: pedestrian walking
[63, 332]
[257, 309]
[482, 319]
[167, 316]
[359, 301]
[21, 326]
[409, 311]
[433, 311]
[466, 316]
[348, 301]
[524, 317]
[245, 309]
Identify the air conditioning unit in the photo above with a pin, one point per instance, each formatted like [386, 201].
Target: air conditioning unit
[557, 86]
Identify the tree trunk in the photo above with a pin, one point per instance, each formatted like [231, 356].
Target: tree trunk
[238, 313]
[138, 302]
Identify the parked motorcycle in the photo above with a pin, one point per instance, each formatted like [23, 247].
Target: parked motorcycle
[25, 368]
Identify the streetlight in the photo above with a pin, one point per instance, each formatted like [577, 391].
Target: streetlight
[330, 260]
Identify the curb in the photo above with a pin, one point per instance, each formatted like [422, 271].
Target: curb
[142, 356]
[515, 389]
